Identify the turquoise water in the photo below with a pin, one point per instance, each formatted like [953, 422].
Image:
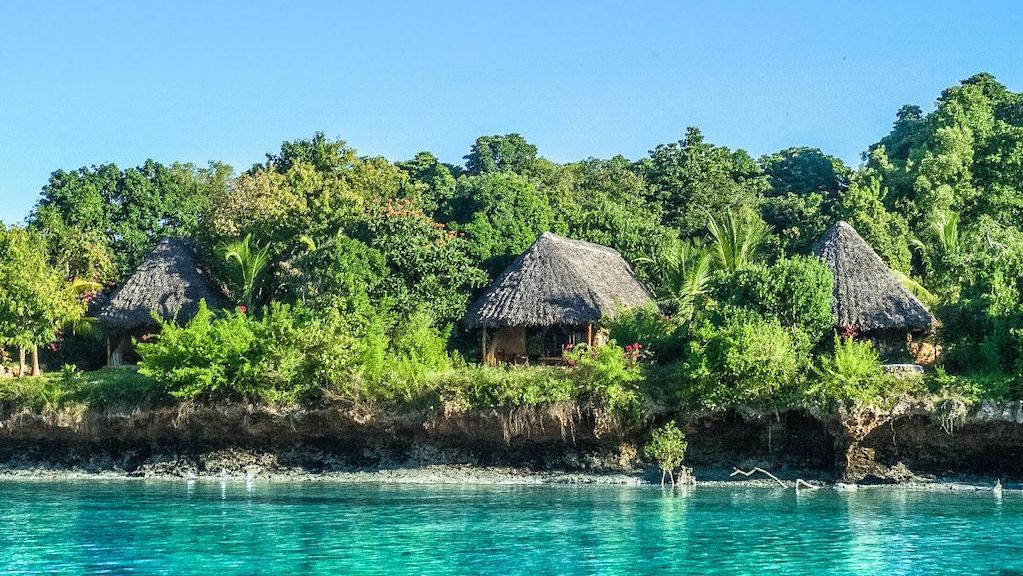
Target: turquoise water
[208, 528]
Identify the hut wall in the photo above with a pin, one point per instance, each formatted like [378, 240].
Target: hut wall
[508, 344]
[892, 345]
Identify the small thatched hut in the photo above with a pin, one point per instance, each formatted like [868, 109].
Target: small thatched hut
[551, 296]
[169, 282]
[869, 298]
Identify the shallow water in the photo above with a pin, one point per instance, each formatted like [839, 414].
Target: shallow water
[264, 528]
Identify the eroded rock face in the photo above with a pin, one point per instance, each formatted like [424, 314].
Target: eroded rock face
[863, 446]
[931, 438]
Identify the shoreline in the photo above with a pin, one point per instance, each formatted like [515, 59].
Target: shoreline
[497, 476]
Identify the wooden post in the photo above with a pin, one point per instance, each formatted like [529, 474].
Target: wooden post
[483, 345]
[589, 334]
[108, 349]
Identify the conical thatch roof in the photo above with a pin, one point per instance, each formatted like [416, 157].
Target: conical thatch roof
[169, 281]
[558, 281]
[868, 295]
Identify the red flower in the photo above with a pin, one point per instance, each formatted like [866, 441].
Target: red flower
[243, 308]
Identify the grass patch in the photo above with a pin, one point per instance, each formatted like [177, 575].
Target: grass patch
[104, 388]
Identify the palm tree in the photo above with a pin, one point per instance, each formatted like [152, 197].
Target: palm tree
[941, 250]
[943, 233]
[736, 239]
[683, 270]
[250, 263]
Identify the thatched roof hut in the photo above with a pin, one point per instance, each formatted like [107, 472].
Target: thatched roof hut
[868, 295]
[169, 281]
[555, 291]
[558, 281]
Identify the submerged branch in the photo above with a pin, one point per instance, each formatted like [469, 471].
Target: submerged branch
[754, 471]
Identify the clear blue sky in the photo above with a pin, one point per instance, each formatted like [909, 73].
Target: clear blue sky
[91, 82]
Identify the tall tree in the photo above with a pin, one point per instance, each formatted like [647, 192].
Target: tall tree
[123, 211]
[502, 214]
[692, 179]
[37, 300]
[500, 153]
[805, 187]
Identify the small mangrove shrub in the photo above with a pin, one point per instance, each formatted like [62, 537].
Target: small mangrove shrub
[667, 447]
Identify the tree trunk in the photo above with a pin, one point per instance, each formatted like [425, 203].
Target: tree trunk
[21, 360]
[35, 361]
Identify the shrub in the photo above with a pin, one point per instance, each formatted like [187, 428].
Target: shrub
[292, 355]
[504, 387]
[651, 328]
[797, 292]
[667, 447]
[397, 360]
[203, 358]
[853, 375]
[609, 377]
[749, 359]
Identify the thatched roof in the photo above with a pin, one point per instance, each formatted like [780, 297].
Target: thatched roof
[169, 281]
[868, 295]
[558, 282]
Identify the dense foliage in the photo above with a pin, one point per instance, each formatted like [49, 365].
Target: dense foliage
[354, 271]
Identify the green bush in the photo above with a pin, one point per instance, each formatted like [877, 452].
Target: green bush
[206, 357]
[651, 328]
[974, 386]
[609, 377]
[749, 359]
[505, 387]
[667, 447]
[292, 355]
[398, 359]
[797, 292]
[854, 375]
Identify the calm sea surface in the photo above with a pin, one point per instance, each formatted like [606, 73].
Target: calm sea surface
[211, 528]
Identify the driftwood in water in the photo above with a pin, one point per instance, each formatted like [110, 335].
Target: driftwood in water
[754, 471]
[799, 481]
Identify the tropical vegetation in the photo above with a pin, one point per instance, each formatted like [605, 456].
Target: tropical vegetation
[351, 273]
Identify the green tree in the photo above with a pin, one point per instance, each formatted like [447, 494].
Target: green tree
[502, 214]
[797, 292]
[682, 272]
[37, 300]
[805, 186]
[122, 212]
[737, 239]
[435, 177]
[887, 232]
[606, 203]
[691, 179]
[247, 262]
[667, 447]
[500, 153]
